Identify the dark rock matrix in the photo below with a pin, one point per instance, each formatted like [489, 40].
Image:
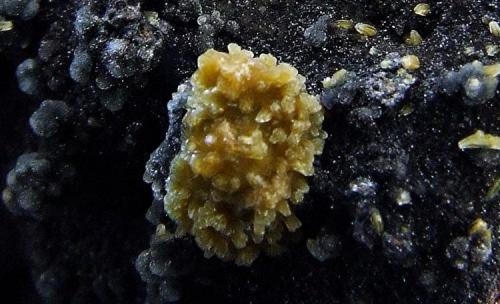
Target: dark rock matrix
[404, 205]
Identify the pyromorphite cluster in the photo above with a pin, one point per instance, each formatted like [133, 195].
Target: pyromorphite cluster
[250, 135]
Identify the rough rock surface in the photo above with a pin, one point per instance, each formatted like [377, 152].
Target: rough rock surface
[392, 215]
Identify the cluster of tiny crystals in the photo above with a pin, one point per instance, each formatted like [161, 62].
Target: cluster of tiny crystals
[250, 135]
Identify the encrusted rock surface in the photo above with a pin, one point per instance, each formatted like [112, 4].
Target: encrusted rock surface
[403, 206]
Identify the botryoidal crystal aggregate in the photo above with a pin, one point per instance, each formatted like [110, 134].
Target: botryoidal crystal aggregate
[401, 206]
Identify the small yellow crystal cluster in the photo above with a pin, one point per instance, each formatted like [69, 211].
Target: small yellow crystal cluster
[251, 132]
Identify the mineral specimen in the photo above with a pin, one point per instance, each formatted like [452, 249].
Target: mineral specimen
[422, 9]
[480, 140]
[392, 203]
[477, 81]
[365, 29]
[316, 33]
[24, 9]
[251, 132]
